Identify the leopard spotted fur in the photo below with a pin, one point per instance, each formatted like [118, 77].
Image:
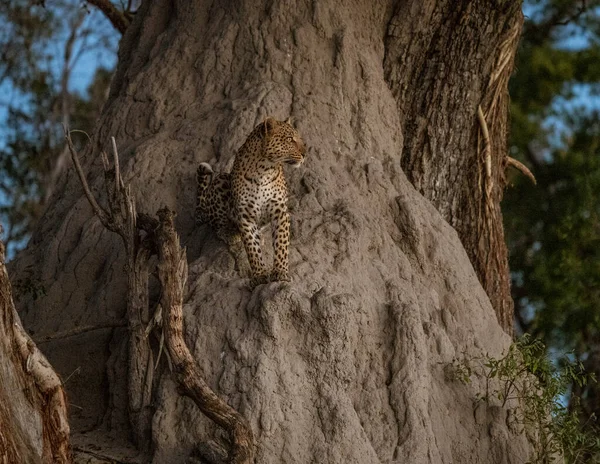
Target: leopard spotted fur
[254, 192]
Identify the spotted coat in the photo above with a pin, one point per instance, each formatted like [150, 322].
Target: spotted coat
[255, 192]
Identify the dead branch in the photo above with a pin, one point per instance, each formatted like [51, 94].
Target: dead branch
[521, 167]
[52, 404]
[121, 218]
[101, 456]
[487, 153]
[142, 236]
[117, 18]
[172, 273]
[78, 331]
[98, 211]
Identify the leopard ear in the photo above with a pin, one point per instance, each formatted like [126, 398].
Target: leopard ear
[289, 120]
[269, 124]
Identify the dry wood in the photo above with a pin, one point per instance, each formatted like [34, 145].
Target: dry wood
[77, 331]
[521, 167]
[486, 144]
[117, 18]
[172, 273]
[98, 210]
[159, 237]
[37, 373]
[121, 218]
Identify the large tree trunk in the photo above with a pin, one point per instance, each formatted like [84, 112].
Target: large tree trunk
[445, 59]
[345, 363]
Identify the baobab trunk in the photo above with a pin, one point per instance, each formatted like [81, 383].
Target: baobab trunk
[346, 362]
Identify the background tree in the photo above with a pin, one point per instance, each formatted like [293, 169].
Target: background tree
[554, 227]
[55, 70]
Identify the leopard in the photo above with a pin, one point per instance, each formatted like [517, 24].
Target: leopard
[254, 193]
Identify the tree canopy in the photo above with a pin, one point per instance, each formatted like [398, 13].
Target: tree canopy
[553, 228]
[57, 61]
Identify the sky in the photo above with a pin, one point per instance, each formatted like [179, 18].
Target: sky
[95, 47]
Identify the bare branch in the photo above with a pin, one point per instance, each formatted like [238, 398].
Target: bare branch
[116, 17]
[486, 141]
[540, 32]
[575, 16]
[118, 182]
[98, 210]
[521, 167]
[79, 331]
[172, 273]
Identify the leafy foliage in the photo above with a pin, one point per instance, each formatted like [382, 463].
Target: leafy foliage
[43, 51]
[533, 389]
[553, 229]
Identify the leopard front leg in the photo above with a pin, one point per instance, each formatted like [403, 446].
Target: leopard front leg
[281, 243]
[251, 239]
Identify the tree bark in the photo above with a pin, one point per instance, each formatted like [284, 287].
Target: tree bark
[460, 55]
[33, 408]
[345, 363]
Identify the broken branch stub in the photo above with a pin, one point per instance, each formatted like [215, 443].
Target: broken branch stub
[521, 167]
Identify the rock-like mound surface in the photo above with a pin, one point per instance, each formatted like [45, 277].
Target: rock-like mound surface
[345, 364]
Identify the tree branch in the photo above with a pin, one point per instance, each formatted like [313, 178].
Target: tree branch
[540, 32]
[521, 167]
[116, 17]
[79, 331]
[172, 273]
[160, 236]
[98, 210]
[52, 402]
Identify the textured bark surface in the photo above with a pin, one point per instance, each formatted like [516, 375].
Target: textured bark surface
[460, 55]
[33, 409]
[345, 364]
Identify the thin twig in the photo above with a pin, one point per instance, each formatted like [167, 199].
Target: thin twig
[65, 105]
[118, 182]
[76, 371]
[78, 331]
[486, 141]
[575, 16]
[104, 457]
[98, 210]
[521, 167]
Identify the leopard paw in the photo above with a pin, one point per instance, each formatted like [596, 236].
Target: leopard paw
[259, 280]
[278, 275]
[230, 236]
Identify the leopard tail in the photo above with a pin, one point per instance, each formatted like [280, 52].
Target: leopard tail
[204, 176]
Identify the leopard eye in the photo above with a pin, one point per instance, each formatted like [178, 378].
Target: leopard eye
[290, 139]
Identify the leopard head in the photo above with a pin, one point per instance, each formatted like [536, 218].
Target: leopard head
[282, 143]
